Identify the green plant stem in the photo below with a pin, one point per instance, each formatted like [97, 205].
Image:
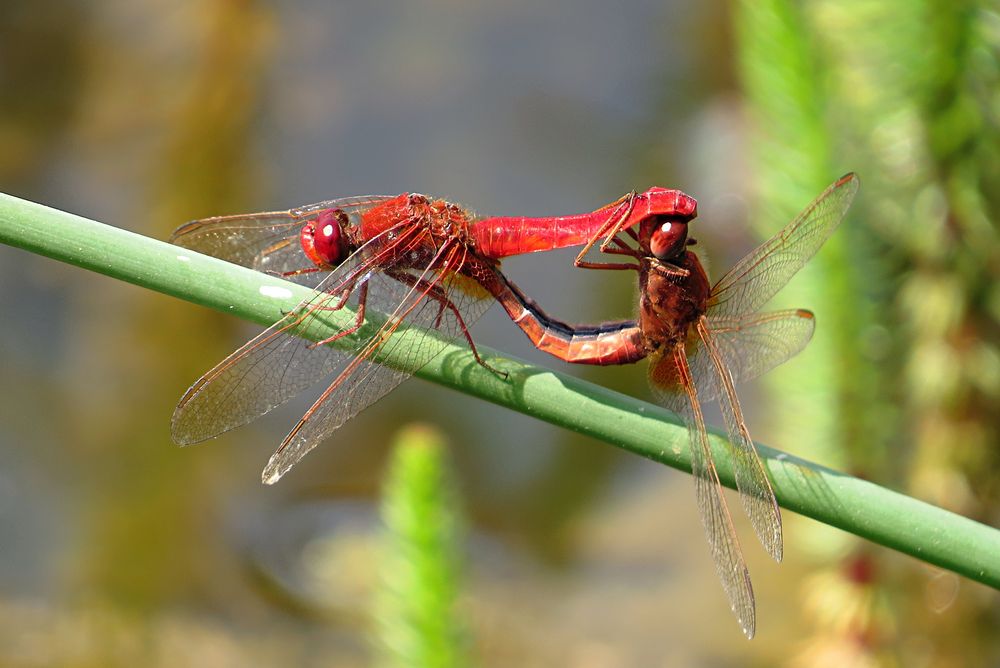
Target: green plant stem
[858, 506]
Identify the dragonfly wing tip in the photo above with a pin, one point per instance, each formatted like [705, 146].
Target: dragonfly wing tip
[276, 467]
[181, 436]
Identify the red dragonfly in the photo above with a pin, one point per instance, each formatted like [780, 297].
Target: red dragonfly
[412, 259]
[701, 341]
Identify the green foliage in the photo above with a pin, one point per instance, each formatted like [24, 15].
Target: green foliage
[786, 81]
[907, 93]
[420, 569]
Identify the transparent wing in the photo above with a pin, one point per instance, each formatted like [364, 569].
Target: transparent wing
[437, 309]
[758, 276]
[751, 478]
[434, 307]
[682, 397]
[734, 350]
[278, 363]
[267, 241]
[751, 345]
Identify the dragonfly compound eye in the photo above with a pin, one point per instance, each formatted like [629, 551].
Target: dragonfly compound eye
[667, 236]
[323, 238]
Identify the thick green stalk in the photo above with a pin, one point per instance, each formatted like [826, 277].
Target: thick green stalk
[861, 507]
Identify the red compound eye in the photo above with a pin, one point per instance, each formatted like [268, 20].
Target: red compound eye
[667, 236]
[323, 240]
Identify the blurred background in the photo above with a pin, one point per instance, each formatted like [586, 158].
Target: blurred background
[119, 548]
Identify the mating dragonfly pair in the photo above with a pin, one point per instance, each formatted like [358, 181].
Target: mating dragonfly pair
[432, 267]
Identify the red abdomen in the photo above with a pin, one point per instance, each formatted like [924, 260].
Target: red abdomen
[510, 235]
[505, 236]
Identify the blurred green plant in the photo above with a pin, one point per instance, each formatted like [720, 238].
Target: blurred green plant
[418, 622]
[907, 93]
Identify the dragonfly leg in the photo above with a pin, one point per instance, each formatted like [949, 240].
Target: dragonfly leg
[623, 249]
[437, 293]
[606, 265]
[665, 269]
[345, 294]
[296, 272]
[359, 316]
[610, 229]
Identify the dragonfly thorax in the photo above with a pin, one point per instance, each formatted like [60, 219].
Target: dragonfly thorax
[673, 296]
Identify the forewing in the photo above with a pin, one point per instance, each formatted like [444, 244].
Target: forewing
[275, 365]
[751, 478]
[750, 345]
[683, 399]
[758, 276]
[267, 241]
[364, 381]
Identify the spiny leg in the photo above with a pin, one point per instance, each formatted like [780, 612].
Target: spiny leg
[613, 230]
[665, 269]
[437, 293]
[359, 316]
[623, 249]
[345, 294]
[607, 265]
[610, 229]
[298, 272]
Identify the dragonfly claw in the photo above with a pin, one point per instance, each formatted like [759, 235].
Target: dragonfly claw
[502, 375]
[666, 269]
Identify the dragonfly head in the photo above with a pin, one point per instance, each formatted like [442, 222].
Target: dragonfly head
[665, 214]
[664, 237]
[323, 239]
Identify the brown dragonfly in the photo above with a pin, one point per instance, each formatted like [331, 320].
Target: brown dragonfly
[702, 340]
